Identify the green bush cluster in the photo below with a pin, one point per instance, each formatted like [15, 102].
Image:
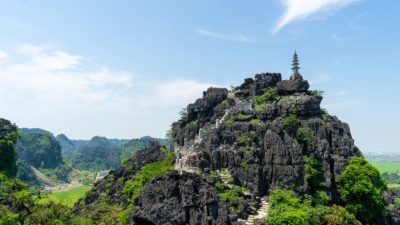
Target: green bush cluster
[245, 139]
[338, 215]
[259, 108]
[194, 122]
[270, 95]
[314, 174]
[256, 121]
[319, 93]
[361, 190]
[241, 116]
[225, 103]
[233, 195]
[229, 121]
[148, 172]
[183, 114]
[286, 208]
[290, 123]
[244, 164]
[304, 135]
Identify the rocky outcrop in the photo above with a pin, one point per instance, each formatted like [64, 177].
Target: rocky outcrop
[180, 198]
[264, 147]
[112, 185]
[292, 86]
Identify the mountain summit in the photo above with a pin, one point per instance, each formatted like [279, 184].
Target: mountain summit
[232, 151]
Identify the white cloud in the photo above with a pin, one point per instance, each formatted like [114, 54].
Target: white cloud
[53, 90]
[337, 38]
[57, 60]
[228, 37]
[298, 9]
[176, 93]
[3, 55]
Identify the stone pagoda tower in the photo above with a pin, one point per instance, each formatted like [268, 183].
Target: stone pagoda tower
[295, 69]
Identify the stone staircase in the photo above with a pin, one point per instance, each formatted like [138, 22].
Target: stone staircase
[262, 212]
[226, 177]
[182, 159]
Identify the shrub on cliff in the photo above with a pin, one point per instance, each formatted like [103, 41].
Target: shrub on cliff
[269, 95]
[361, 190]
[287, 209]
[290, 124]
[149, 171]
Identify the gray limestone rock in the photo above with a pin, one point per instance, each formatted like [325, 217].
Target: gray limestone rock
[179, 199]
[292, 86]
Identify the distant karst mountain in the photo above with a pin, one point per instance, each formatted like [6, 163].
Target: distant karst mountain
[39, 148]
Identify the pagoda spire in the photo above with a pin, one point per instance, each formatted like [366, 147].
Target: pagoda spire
[295, 68]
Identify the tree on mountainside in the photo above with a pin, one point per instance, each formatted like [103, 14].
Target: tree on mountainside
[361, 190]
[8, 139]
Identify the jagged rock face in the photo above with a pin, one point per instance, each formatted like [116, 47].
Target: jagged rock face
[179, 199]
[113, 183]
[203, 111]
[292, 86]
[258, 148]
[252, 87]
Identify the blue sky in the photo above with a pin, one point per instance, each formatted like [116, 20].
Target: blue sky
[125, 68]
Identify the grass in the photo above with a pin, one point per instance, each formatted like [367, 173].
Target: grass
[68, 197]
[148, 172]
[386, 166]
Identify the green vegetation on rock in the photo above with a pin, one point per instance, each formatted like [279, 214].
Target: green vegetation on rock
[256, 121]
[314, 174]
[290, 124]
[270, 95]
[361, 189]
[304, 135]
[229, 121]
[286, 208]
[148, 172]
[8, 138]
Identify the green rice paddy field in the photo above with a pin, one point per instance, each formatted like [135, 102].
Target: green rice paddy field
[386, 166]
[68, 197]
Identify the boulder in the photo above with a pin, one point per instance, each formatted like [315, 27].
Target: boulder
[179, 199]
[292, 86]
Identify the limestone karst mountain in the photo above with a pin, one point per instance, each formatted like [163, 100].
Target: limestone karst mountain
[242, 142]
[268, 127]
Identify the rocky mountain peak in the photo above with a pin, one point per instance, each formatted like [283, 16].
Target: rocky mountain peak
[261, 132]
[231, 148]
